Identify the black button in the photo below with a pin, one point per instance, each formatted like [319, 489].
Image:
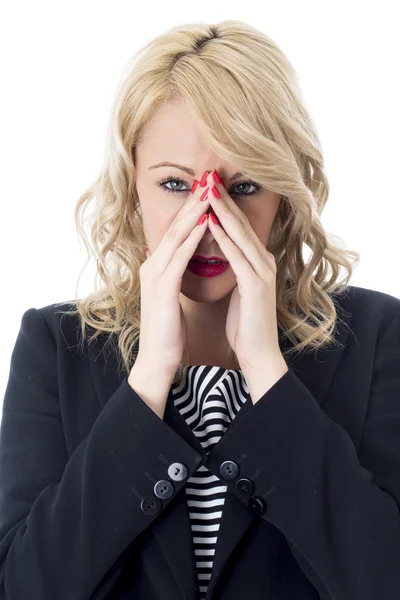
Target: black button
[151, 505]
[177, 471]
[244, 487]
[258, 505]
[229, 470]
[164, 489]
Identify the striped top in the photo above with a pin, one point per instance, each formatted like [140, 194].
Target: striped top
[209, 400]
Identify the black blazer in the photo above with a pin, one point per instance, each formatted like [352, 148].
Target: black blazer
[312, 469]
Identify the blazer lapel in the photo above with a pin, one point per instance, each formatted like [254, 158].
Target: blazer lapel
[172, 529]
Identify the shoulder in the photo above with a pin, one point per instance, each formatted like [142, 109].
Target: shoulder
[53, 325]
[367, 305]
[364, 297]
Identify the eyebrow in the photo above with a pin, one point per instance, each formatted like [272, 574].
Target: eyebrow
[186, 169]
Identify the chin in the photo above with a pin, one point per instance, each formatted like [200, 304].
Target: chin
[203, 289]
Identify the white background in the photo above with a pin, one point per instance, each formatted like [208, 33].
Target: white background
[60, 65]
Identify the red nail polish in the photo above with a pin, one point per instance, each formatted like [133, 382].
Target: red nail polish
[214, 218]
[202, 219]
[215, 191]
[194, 186]
[216, 176]
[204, 179]
[204, 195]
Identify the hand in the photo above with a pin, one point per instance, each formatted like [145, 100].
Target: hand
[163, 333]
[251, 324]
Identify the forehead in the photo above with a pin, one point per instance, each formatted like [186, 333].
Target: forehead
[173, 135]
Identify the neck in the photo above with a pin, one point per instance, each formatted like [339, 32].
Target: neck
[206, 337]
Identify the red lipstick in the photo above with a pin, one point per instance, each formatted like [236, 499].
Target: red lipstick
[207, 269]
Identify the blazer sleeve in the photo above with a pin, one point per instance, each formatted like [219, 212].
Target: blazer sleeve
[339, 511]
[66, 520]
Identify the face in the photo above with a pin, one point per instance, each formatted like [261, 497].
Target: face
[172, 136]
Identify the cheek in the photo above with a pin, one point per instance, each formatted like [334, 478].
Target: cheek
[155, 224]
[261, 224]
[157, 212]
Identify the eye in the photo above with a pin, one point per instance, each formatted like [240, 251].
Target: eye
[251, 183]
[179, 181]
[163, 183]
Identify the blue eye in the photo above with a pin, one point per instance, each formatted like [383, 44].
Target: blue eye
[180, 181]
[169, 180]
[244, 183]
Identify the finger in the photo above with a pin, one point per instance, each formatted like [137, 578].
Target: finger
[233, 220]
[184, 253]
[181, 226]
[236, 257]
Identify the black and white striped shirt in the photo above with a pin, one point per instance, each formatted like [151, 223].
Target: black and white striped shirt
[209, 401]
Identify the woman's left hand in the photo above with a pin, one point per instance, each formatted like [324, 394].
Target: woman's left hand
[251, 325]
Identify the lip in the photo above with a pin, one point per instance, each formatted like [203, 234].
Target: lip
[206, 269]
[207, 257]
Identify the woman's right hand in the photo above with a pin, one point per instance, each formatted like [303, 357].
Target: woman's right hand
[163, 333]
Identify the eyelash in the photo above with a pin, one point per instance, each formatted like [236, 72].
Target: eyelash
[179, 180]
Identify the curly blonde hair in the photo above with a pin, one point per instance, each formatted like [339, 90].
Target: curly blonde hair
[252, 113]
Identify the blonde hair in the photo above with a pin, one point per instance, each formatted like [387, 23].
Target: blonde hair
[252, 113]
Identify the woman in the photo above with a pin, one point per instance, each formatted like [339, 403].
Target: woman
[212, 464]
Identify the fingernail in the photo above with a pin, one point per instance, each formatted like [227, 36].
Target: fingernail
[202, 219]
[214, 218]
[194, 186]
[216, 176]
[215, 191]
[204, 195]
[203, 180]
